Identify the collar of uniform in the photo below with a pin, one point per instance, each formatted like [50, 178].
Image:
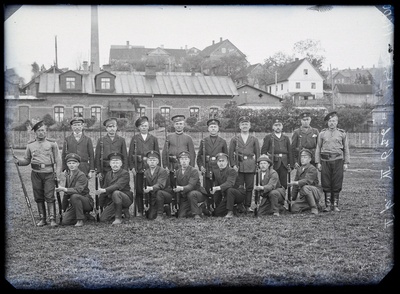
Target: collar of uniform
[180, 133]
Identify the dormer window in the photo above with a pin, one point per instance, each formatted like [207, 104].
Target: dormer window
[305, 71]
[70, 82]
[105, 83]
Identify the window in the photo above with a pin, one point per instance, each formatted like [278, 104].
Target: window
[78, 111]
[297, 85]
[165, 112]
[141, 111]
[305, 71]
[213, 112]
[269, 89]
[223, 50]
[281, 86]
[194, 112]
[105, 83]
[96, 112]
[58, 113]
[70, 82]
[313, 86]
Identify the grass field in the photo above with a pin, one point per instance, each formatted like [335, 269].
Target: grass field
[352, 247]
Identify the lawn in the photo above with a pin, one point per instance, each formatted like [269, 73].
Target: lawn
[352, 247]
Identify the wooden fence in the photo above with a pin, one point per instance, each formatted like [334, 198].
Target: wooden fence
[19, 139]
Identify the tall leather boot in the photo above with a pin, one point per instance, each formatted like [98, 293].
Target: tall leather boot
[42, 214]
[327, 201]
[336, 201]
[118, 213]
[51, 209]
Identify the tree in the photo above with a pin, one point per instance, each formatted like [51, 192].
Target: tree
[229, 65]
[311, 50]
[159, 120]
[193, 62]
[191, 121]
[35, 69]
[48, 120]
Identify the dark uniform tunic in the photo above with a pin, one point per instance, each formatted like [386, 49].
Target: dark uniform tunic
[41, 155]
[273, 195]
[244, 155]
[304, 138]
[77, 200]
[176, 144]
[117, 145]
[139, 159]
[332, 152]
[192, 194]
[212, 145]
[308, 187]
[232, 192]
[83, 147]
[280, 149]
[162, 191]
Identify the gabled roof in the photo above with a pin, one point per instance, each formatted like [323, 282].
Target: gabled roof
[247, 71]
[50, 70]
[206, 52]
[135, 83]
[286, 71]
[352, 73]
[354, 88]
[260, 90]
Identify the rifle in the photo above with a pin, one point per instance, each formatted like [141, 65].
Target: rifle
[57, 193]
[146, 197]
[213, 206]
[257, 194]
[96, 198]
[28, 202]
[289, 190]
[136, 171]
[176, 199]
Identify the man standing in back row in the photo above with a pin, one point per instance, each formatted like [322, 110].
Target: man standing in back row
[332, 157]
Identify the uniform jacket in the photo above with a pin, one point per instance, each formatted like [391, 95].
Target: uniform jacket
[305, 175]
[176, 144]
[77, 183]
[190, 180]
[42, 152]
[332, 145]
[83, 147]
[109, 146]
[159, 180]
[226, 178]
[279, 147]
[303, 138]
[142, 147]
[247, 153]
[118, 181]
[211, 150]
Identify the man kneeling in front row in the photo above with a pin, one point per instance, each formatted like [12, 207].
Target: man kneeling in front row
[307, 185]
[116, 194]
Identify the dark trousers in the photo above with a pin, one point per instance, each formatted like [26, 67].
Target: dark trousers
[332, 175]
[139, 191]
[232, 196]
[188, 205]
[283, 174]
[157, 201]
[247, 179]
[272, 202]
[208, 184]
[79, 205]
[43, 186]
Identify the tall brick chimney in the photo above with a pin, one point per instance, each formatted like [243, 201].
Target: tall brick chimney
[94, 41]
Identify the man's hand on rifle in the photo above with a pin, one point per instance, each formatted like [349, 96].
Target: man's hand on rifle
[215, 189]
[178, 189]
[148, 190]
[133, 171]
[235, 168]
[259, 188]
[167, 169]
[319, 166]
[203, 170]
[61, 189]
[295, 183]
[90, 174]
[100, 176]
[100, 191]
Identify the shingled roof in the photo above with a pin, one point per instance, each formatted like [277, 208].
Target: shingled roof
[136, 83]
[284, 72]
[206, 52]
[354, 88]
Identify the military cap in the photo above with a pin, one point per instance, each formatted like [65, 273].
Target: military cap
[222, 154]
[278, 121]
[141, 120]
[153, 153]
[213, 121]
[37, 125]
[304, 114]
[178, 117]
[244, 119]
[115, 155]
[306, 151]
[109, 120]
[72, 156]
[264, 157]
[76, 119]
[184, 154]
[330, 115]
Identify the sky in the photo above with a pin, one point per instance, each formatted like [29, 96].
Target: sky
[350, 36]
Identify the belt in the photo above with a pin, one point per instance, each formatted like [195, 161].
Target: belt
[330, 156]
[39, 166]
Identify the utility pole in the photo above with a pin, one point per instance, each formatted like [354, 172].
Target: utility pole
[333, 95]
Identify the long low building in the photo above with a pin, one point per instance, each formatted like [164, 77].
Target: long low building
[64, 94]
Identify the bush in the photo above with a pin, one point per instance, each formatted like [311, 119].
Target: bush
[23, 126]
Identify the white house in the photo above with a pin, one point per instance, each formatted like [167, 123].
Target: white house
[299, 79]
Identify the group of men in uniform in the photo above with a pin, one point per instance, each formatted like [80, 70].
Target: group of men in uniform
[169, 183]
